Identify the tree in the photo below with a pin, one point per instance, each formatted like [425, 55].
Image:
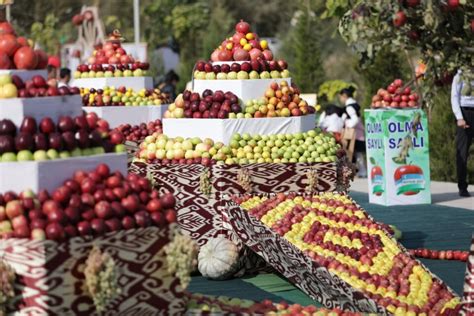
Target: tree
[220, 26]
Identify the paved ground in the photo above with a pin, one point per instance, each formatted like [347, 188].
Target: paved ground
[442, 193]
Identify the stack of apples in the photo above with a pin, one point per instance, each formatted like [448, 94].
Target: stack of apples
[16, 52]
[134, 69]
[280, 100]
[138, 133]
[111, 96]
[90, 203]
[32, 88]
[254, 69]
[395, 96]
[209, 105]
[46, 140]
[337, 234]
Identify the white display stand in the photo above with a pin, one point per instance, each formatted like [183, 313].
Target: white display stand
[17, 108]
[247, 89]
[221, 130]
[38, 175]
[25, 74]
[134, 115]
[136, 83]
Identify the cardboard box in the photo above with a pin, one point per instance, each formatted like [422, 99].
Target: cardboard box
[134, 115]
[38, 175]
[245, 90]
[221, 130]
[16, 109]
[50, 276]
[136, 83]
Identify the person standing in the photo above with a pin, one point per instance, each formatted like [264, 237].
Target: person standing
[352, 119]
[64, 77]
[170, 83]
[331, 121]
[462, 103]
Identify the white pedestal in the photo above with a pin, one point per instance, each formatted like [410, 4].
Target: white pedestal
[244, 89]
[222, 130]
[17, 108]
[136, 83]
[38, 175]
[25, 74]
[134, 115]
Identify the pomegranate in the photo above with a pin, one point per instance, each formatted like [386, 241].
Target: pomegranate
[42, 59]
[215, 55]
[6, 28]
[25, 58]
[225, 55]
[241, 54]
[5, 61]
[8, 44]
[242, 27]
[237, 37]
[267, 54]
[22, 41]
[255, 54]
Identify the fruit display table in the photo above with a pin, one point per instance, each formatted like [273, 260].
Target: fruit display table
[398, 156]
[136, 83]
[54, 107]
[200, 211]
[25, 74]
[468, 296]
[133, 115]
[312, 241]
[246, 89]
[221, 130]
[52, 281]
[38, 175]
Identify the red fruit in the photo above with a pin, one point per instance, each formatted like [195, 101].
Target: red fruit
[242, 27]
[449, 255]
[144, 184]
[25, 58]
[98, 226]
[33, 214]
[73, 185]
[8, 44]
[128, 222]
[22, 232]
[19, 221]
[38, 223]
[5, 61]
[158, 219]
[170, 216]
[88, 186]
[6, 28]
[142, 218]
[398, 83]
[117, 209]
[70, 231]
[167, 200]
[453, 4]
[113, 224]
[84, 228]
[131, 203]
[154, 205]
[113, 182]
[62, 194]
[119, 193]
[14, 209]
[144, 197]
[55, 231]
[99, 195]
[103, 210]
[400, 19]
[88, 215]
[56, 215]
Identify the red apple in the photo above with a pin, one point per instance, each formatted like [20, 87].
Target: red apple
[14, 209]
[55, 231]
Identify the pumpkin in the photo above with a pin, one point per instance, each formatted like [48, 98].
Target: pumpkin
[218, 259]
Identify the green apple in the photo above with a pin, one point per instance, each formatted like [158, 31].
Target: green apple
[221, 76]
[91, 74]
[254, 75]
[40, 155]
[77, 74]
[138, 73]
[24, 155]
[87, 152]
[118, 73]
[120, 148]
[85, 75]
[9, 157]
[52, 154]
[99, 74]
[265, 75]
[77, 152]
[196, 73]
[64, 154]
[201, 75]
[210, 76]
[232, 115]
[108, 74]
[242, 75]
[4, 79]
[127, 73]
[232, 75]
[275, 74]
[285, 73]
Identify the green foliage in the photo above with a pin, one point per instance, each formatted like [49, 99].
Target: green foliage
[220, 26]
[47, 34]
[336, 8]
[329, 90]
[442, 127]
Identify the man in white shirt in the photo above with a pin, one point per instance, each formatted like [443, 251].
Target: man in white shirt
[64, 77]
[462, 103]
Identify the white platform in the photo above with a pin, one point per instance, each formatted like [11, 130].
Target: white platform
[17, 108]
[25, 74]
[38, 175]
[136, 83]
[247, 89]
[222, 130]
[134, 115]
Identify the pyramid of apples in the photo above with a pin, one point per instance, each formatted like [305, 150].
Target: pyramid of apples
[337, 234]
[395, 96]
[242, 56]
[111, 60]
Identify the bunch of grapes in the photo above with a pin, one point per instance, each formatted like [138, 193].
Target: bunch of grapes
[181, 256]
[101, 278]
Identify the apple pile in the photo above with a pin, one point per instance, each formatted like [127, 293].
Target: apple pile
[111, 96]
[337, 234]
[395, 96]
[210, 104]
[135, 69]
[89, 203]
[243, 45]
[280, 100]
[440, 254]
[312, 146]
[137, 133]
[46, 140]
[17, 52]
[254, 69]
[33, 88]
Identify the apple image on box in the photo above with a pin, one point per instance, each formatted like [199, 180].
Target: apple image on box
[409, 180]
[376, 175]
